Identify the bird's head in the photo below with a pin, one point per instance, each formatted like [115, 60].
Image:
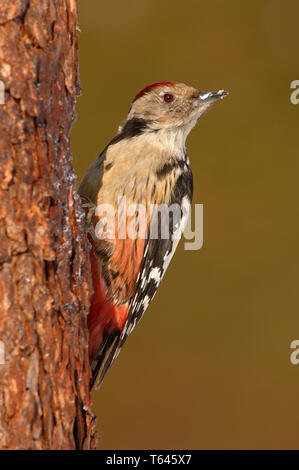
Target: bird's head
[172, 105]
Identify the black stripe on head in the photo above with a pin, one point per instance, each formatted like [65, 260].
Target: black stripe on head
[170, 166]
[132, 128]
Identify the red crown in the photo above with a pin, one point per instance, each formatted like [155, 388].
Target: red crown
[148, 88]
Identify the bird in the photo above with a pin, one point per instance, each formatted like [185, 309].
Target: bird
[144, 166]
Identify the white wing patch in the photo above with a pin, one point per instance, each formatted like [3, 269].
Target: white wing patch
[155, 274]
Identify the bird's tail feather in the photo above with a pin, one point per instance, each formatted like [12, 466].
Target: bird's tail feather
[102, 361]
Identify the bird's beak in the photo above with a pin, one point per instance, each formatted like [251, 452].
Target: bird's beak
[211, 96]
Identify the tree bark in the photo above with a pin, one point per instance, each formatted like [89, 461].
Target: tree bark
[45, 401]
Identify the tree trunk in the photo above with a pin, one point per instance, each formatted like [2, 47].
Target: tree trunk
[44, 272]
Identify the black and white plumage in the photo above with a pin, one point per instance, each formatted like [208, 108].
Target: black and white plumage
[157, 256]
[146, 163]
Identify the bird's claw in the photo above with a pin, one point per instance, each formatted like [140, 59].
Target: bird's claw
[90, 209]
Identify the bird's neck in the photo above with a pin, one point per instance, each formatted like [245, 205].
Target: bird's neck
[168, 142]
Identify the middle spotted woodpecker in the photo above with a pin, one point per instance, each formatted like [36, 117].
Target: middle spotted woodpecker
[145, 166]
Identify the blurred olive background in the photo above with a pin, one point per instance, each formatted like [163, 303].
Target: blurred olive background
[209, 365]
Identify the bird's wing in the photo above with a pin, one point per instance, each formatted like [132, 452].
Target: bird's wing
[156, 257]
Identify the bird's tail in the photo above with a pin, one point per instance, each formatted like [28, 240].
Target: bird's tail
[103, 360]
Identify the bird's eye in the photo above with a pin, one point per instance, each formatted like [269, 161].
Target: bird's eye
[168, 98]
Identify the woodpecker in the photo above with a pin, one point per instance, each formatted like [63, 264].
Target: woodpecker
[145, 163]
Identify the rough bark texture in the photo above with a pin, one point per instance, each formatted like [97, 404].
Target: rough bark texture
[44, 277]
